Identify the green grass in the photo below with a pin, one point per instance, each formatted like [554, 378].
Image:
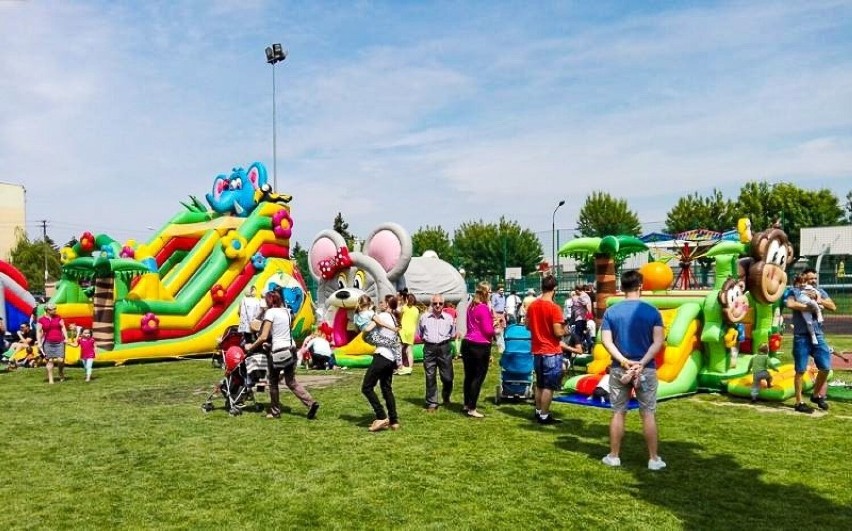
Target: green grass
[132, 449]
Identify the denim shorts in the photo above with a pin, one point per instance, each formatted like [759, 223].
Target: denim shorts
[53, 350]
[803, 348]
[548, 371]
[646, 393]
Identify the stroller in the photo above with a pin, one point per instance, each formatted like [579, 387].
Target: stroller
[241, 381]
[516, 366]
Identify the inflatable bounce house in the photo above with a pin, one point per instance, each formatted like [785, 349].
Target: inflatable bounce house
[175, 295]
[710, 334]
[382, 267]
[16, 302]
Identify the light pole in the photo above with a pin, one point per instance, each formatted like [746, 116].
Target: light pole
[553, 235]
[274, 55]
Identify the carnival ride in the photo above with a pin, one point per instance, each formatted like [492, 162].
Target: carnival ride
[174, 295]
[707, 329]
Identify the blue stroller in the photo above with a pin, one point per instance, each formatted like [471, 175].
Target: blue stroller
[516, 366]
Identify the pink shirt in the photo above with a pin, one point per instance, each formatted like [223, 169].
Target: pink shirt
[87, 348]
[51, 327]
[480, 323]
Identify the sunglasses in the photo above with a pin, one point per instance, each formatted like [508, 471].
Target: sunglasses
[437, 304]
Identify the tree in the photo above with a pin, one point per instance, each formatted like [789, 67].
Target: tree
[342, 228]
[300, 256]
[849, 207]
[434, 239]
[29, 257]
[603, 215]
[486, 249]
[713, 212]
[791, 206]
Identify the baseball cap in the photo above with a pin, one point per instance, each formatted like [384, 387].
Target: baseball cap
[50, 306]
[530, 291]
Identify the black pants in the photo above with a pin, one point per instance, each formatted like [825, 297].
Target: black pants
[381, 372]
[476, 357]
[437, 358]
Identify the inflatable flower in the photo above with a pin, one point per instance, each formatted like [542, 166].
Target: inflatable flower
[108, 252]
[67, 254]
[258, 261]
[87, 242]
[127, 252]
[235, 245]
[217, 293]
[282, 224]
[150, 323]
[775, 342]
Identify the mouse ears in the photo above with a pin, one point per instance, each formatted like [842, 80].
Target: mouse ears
[390, 245]
[327, 244]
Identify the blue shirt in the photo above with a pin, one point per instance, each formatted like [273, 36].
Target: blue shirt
[799, 325]
[498, 302]
[632, 324]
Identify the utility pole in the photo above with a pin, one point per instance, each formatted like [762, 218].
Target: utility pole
[44, 241]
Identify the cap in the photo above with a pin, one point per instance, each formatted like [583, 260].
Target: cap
[530, 291]
[50, 306]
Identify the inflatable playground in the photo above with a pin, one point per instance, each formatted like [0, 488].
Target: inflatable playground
[176, 294]
[16, 302]
[711, 334]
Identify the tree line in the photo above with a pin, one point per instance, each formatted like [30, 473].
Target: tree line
[485, 248]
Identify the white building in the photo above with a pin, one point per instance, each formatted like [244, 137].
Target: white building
[12, 216]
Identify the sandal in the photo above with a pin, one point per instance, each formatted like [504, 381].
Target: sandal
[273, 413]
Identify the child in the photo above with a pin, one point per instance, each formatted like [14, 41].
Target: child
[760, 371]
[87, 351]
[809, 296]
[368, 322]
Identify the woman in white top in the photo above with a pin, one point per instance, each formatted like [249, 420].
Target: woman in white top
[281, 357]
[385, 361]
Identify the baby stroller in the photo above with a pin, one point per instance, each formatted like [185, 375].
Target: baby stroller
[230, 338]
[516, 366]
[240, 383]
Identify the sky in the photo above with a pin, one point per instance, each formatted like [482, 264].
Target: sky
[421, 113]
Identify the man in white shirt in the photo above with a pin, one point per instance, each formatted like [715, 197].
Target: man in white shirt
[513, 303]
[249, 311]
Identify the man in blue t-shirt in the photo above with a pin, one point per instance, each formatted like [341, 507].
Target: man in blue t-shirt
[804, 346]
[632, 333]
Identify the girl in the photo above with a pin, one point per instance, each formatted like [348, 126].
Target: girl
[476, 347]
[87, 351]
[369, 323]
[410, 316]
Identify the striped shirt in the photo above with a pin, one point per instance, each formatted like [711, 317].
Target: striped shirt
[436, 328]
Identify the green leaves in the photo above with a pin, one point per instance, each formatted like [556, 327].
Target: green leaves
[604, 215]
[486, 249]
[432, 238]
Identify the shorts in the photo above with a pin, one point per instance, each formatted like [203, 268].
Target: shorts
[646, 394]
[548, 371]
[803, 348]
[54, 351]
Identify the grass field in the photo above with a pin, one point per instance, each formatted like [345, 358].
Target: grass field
[132, 449]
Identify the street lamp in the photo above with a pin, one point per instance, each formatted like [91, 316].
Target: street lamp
[274, 55]
[553, 234]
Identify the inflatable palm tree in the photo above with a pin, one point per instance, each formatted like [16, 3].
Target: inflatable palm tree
[606, 252]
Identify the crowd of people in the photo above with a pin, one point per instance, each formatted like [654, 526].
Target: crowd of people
[631, 332]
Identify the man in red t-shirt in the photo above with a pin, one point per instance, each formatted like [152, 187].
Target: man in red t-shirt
[544, 321]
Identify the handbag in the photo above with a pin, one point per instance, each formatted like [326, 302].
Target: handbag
[283, 358]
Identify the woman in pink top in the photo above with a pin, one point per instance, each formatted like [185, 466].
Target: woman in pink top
[87, 351]
[52, 337]
[476, 347]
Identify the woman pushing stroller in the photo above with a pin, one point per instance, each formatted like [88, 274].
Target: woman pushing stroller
[281, 357]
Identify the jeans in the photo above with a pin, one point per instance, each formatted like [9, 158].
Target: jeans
[87, 364]
[437, 358]
[381, 372]
[476, 357]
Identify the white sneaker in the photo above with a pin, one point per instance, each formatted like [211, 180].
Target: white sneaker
[656, 464]
[608, 460]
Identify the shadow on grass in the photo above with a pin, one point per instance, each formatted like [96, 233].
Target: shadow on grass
[708, 491]
[363, 420]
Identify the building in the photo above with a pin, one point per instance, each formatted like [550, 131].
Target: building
[12, 216]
